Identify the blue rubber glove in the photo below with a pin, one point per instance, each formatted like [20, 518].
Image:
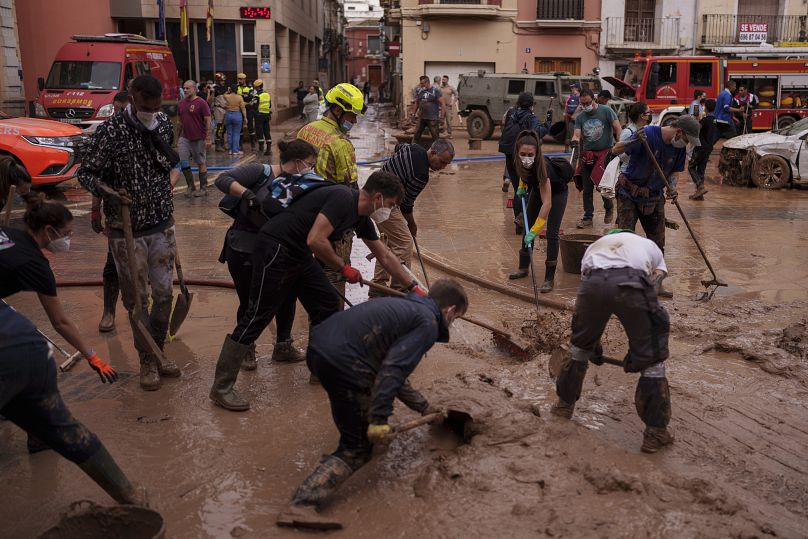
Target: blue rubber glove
[521, 192]
[529, 237]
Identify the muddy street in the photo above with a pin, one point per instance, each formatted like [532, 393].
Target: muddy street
[738, 374]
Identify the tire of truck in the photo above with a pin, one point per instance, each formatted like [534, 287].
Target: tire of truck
[480, 125]
[785, 121]
[771, 172]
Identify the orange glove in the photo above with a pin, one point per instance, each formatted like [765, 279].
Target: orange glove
[107, 373]
[351, 274]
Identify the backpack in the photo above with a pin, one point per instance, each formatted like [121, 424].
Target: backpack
[515, 123]
[562, 168]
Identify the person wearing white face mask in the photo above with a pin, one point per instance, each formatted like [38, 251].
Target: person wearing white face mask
[640, 190]
[132, 151]
[285, 268]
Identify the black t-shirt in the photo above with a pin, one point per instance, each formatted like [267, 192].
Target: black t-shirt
[23, 267]
[337, 202]
[708, 133]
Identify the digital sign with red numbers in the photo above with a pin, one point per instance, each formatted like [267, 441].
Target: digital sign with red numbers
[256, 13]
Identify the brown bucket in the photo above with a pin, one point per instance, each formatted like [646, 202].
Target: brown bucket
[573, 247]
[90, 521]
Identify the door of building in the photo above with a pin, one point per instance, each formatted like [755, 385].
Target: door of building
[375, 75]
[551, 65]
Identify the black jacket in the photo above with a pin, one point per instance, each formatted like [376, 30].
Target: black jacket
[516, 121]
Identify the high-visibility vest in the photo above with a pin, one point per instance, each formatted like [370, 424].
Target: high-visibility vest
[263, 103]
[244, 90]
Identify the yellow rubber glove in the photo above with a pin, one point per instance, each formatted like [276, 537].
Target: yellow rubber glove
[531, 234]
[378, 433]
[521, 192]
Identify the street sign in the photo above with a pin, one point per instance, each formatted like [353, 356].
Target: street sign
[753, 32]
[393, 48]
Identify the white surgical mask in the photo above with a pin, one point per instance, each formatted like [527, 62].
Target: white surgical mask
[679, 143]
[305, 171]
[527, 162]
[59, 245]
[588, 108]
[380, 215]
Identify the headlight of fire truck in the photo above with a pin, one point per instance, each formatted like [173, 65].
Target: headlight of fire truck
[39, 110]
[54, 142]
[106, 111]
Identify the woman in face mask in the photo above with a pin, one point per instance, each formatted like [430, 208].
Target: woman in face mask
[251, 183]
[546, 194]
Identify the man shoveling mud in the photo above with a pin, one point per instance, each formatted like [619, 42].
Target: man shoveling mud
[363, 357]
[620, 275]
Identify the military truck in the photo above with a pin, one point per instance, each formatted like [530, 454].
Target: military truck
[486, 97]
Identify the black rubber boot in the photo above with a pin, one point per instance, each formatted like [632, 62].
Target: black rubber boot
[524, 265]
[250, 362]
[35, 445]
[653, 402]
[222, 392]
[189, 179]
[261, 148]
[203, 182]
[285, 352]
[549, 276]
[111, 290]
[324, 480]
[102, 469]
[568, 388]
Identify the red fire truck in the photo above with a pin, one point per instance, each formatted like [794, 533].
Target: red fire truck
[668, 83]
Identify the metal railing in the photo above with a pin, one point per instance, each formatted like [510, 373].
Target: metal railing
[560, 10]
[464, 2]
[726, 29]
[631, 33]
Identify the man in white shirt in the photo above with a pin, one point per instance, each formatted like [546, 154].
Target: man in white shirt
[620, 274]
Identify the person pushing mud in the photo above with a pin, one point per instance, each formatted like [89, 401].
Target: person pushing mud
[620, 275]
[363, 357]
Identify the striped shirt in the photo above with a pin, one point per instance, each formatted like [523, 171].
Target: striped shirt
[411, 165]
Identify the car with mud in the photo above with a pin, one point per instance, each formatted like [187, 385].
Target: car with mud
[486, 97]
[50, 151]
[770, 160]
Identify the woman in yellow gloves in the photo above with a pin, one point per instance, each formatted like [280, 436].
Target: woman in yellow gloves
[546, 194]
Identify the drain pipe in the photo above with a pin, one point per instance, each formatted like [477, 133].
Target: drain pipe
[696, 6]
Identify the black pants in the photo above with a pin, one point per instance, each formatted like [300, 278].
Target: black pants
[276, 277]
[698, 165]
[262, 127]
[589, 192]
[432, 125]
[553, 219]
[726, 130]
[240, 266]
[110, 274]
[251, 123]
[349, 409]
[29, 397]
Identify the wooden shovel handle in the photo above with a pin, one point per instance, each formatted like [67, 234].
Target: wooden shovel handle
[180, 276]
[428, 419]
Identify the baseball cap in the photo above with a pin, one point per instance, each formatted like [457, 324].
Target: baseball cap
[690, 126]
[575, 85]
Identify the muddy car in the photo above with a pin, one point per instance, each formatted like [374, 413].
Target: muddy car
[486, 97]
[770, 160]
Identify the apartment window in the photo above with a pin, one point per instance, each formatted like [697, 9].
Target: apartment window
[374, 45]
[701, 74]
[247, 39]
[640, 9]
[560, 9]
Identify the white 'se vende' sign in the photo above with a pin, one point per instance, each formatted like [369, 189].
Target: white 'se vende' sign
[753, 32]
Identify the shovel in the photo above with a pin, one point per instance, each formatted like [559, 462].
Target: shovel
[183, 304]
[501, 338]
[141, 335]
[457, 422]
[71, 360]
[532, 268]
[712, 284]
[561, 357]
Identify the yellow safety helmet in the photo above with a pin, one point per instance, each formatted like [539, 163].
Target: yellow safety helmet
[347, 97]
[258, 82]
[241, 76]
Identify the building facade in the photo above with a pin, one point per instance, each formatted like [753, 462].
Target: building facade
[280, 42]
[12, 98]
[365, 55]
[361, 10]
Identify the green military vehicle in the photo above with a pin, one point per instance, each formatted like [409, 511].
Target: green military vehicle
[486, 97]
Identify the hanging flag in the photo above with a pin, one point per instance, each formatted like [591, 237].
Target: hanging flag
[183, 19]
[161, 19]
[209, 21]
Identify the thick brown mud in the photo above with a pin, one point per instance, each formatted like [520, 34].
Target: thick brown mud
[737, 373]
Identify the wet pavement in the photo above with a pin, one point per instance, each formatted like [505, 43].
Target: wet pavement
[213, 473]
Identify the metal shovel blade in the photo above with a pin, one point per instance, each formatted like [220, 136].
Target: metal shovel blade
[180, 311]
[143, 339]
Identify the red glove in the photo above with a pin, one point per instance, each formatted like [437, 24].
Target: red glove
[351, 274]
[107, 373]
[420, 291]
[95, 220]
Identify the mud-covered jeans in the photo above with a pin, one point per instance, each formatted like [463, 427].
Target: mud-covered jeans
[29, 397]
[399, 241]
[154, 267]
[423, 125]
[651, 215]
[589, 193]
[698, 165]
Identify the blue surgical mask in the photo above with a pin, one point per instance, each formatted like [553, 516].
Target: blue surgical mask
[347, 126]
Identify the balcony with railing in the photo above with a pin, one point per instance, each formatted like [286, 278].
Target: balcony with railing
[632, 34]
[752, 29]
[559, 13]
[462, 8]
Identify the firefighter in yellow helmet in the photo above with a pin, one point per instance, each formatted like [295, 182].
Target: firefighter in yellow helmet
[247, 93]
[262, 111]
[336, 160]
